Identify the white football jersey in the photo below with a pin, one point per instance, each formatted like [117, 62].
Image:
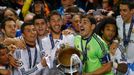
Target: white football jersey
[130, 48]
[67, 40]
[23, 57]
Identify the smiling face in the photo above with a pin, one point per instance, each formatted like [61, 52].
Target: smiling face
[125, 12]
[56, 23]
[40, 26]
[109, 32]
[86, 28]
[29, 34]
[10, 29]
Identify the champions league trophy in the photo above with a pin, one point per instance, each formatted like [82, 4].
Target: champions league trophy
[69, 62]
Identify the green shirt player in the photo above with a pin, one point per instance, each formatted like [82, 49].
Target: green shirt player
[95, 54]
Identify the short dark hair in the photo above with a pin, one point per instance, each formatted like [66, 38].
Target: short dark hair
[54, 12]
[126, 3]
[90, 18]
[3, 23]
[39, 16]
[72, 10]
[24, 25]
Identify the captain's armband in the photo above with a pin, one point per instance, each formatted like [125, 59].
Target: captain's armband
[105, 59]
